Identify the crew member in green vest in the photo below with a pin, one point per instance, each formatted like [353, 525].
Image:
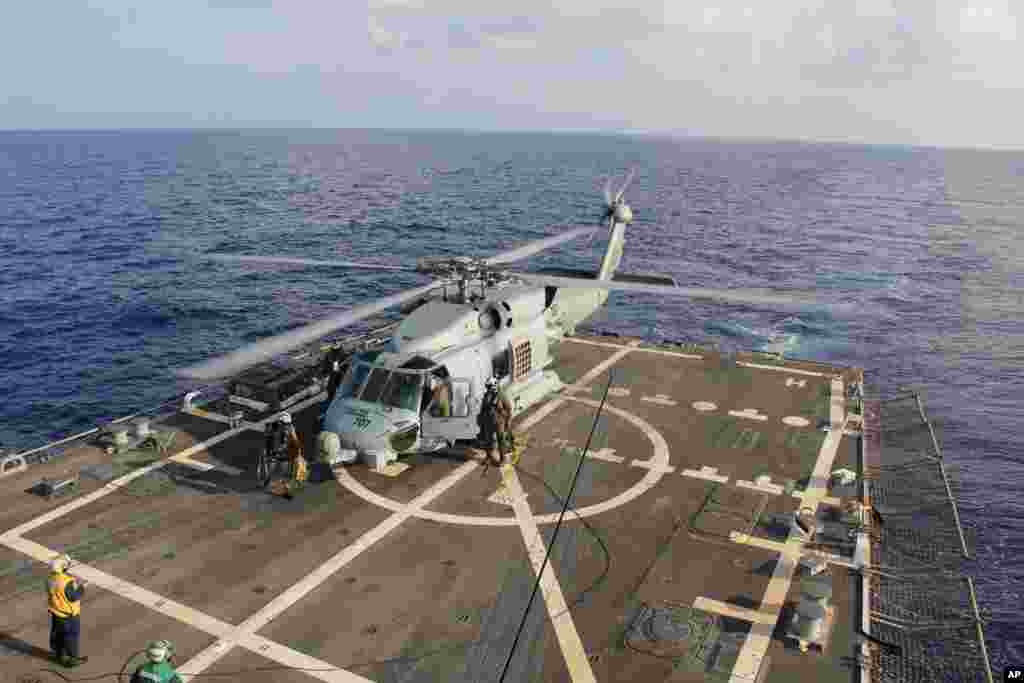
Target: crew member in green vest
[64, 594]
[495, 422]
[157, 669]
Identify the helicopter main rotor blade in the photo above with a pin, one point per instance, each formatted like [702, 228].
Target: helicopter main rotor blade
[265, 349]
[289, 261]
[531, 248]
[741, 296]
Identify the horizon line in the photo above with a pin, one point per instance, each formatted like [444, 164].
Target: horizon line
[611, 132]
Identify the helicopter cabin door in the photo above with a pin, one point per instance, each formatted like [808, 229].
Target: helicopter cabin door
[459, 421]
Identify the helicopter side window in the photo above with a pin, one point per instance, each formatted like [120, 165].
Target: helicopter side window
[460, 399]
[403, 391]
[375, 384]
[354, 380]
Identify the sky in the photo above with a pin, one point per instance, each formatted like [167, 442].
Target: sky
[927, 72]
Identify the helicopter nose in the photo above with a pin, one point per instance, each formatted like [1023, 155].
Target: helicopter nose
[345, 447]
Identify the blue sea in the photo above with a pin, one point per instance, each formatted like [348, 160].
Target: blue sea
[96, 308]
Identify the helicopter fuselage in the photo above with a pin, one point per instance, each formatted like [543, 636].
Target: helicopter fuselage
[385, 406]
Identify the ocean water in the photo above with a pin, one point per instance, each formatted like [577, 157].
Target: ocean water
[97, 308]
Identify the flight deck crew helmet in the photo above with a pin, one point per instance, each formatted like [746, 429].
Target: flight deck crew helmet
[286, 418]
[158, 651]
[491, 383]
[60, 563]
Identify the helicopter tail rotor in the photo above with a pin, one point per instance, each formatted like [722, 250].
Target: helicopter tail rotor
[616, 210]
[622, 190]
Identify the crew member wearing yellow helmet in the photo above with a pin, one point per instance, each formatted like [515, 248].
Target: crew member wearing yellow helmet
[64, 594]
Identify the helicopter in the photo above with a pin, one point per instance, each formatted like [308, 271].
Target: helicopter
[475, 322]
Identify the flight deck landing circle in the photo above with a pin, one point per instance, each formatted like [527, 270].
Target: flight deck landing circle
[658, 469]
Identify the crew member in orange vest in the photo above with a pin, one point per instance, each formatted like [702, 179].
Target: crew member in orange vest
[64, 595]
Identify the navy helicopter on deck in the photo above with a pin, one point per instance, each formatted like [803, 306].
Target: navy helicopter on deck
[474, 321]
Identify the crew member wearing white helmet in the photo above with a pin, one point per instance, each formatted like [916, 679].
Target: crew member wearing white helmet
[495, 421]
[157, 669]
[64, 595]
[298, 468]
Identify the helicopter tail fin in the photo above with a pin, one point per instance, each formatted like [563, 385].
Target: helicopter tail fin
[613, 253]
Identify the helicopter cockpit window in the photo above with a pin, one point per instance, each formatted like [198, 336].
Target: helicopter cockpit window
[354, 380]
[375, 384]
[403, 391]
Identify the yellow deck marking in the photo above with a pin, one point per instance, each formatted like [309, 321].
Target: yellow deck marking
[824, 500]
[755, 646]
[727, 609]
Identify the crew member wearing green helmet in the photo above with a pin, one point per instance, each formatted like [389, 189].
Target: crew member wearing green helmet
[157, 669]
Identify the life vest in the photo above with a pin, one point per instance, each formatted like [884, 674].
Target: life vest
[58, 602]
[294, 445]
[157, 672]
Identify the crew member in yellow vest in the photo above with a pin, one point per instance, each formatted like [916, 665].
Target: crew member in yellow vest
[64, 593]
[299, 470]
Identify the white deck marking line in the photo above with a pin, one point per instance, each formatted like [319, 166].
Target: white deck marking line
[755, 646]
[583, 381]
[782, 368]
[191, 617]
[619, 346]
[661, 399]
[749, 413]
[661, 456]
[654, 466]
[206, 466]
[244, 634]
[175, 610]
[709, 475]
[110, 487]
[115, 484]
[274, 651]
[773, 489]
[558, 611]
[606, 454]
[296, 592]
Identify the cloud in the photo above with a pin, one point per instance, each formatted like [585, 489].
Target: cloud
[384, 40]
[828, 43]
[930, 71]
